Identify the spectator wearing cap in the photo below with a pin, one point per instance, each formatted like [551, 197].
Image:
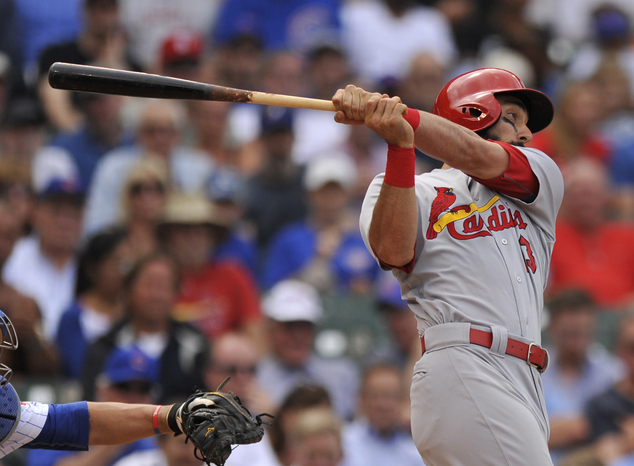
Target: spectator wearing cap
[128, 376]
[182, 54]
[216, 296]
[326, 249]
[22, 130]
[159, 127]
[44, 264]
[101, 41]
[149, 24]
[275, 195]
[294, 310]
[151, 288]
[611, 37]
[226, 190]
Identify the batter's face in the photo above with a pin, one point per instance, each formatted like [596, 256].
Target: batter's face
[511, 127]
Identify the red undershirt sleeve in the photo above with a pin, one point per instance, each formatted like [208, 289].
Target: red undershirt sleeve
[518, 181]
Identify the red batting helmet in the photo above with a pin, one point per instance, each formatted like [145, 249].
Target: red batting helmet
[469, 100]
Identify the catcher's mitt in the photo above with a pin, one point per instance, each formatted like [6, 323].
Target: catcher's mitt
[213, 421]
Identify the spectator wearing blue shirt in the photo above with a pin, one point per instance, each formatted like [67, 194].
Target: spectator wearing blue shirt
[326, 250]
[98, 299]
[289, 24]
[226, 191]
[100, 132]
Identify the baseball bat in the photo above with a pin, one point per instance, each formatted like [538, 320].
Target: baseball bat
[84, 78]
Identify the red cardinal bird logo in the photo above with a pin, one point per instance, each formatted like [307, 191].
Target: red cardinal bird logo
[444, 199]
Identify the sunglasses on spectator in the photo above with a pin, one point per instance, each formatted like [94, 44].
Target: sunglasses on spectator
[139, 188]
[235, 369]
[139, 387]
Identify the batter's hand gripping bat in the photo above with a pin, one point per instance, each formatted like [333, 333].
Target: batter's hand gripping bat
[86, 78]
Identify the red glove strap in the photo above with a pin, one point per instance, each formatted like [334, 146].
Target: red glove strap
[401, 166]
[155, 419]
[412, 117]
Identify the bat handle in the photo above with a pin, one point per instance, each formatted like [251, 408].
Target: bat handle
[280, 100]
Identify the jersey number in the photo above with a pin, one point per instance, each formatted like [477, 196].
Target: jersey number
[529, 259]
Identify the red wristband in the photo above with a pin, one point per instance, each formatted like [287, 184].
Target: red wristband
[155, 419]
[401, 166]
[412, 117]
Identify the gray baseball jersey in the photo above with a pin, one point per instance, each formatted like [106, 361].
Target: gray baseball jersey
[481, 260]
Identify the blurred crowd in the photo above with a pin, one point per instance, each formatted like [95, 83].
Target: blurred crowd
[152, 246]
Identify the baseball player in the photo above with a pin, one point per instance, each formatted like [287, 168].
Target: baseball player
[72, 426]
[470, 245]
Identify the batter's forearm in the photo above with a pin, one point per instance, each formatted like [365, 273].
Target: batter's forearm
[117, 423]
[394, 225]
[459, 147]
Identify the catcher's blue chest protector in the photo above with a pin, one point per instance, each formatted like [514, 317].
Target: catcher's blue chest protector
[9, 411]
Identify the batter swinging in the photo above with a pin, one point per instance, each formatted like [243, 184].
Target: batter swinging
[470, 245]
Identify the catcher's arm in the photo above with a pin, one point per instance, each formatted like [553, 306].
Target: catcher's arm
[117, 423]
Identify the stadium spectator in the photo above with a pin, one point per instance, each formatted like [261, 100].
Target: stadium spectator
[579, 368]
[158, 131]
[43, 265]
[148, 24]
[377, 436]
[382, 36]
[592, 252]
[294, 309]
[22, 131]
[316, 439]
[39, 25]
[617, 100]
[98, 302]
[281, 72]
[101, 41]
[574, 131]
[325, 250]
[143, 204]
[16, 188]
[326, 69]
[211, 132]
[100, 132]
[400, 322]
[226, 190]
[612, 33]
[151, 288]
[215, 296]
[182, 55]
[292, 24]
[235, 355]
[300, 400]
[35, 356]
[275, 195]
[612, 411]
[128, 376]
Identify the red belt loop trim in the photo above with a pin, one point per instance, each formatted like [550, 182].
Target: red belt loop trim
[533, 354]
